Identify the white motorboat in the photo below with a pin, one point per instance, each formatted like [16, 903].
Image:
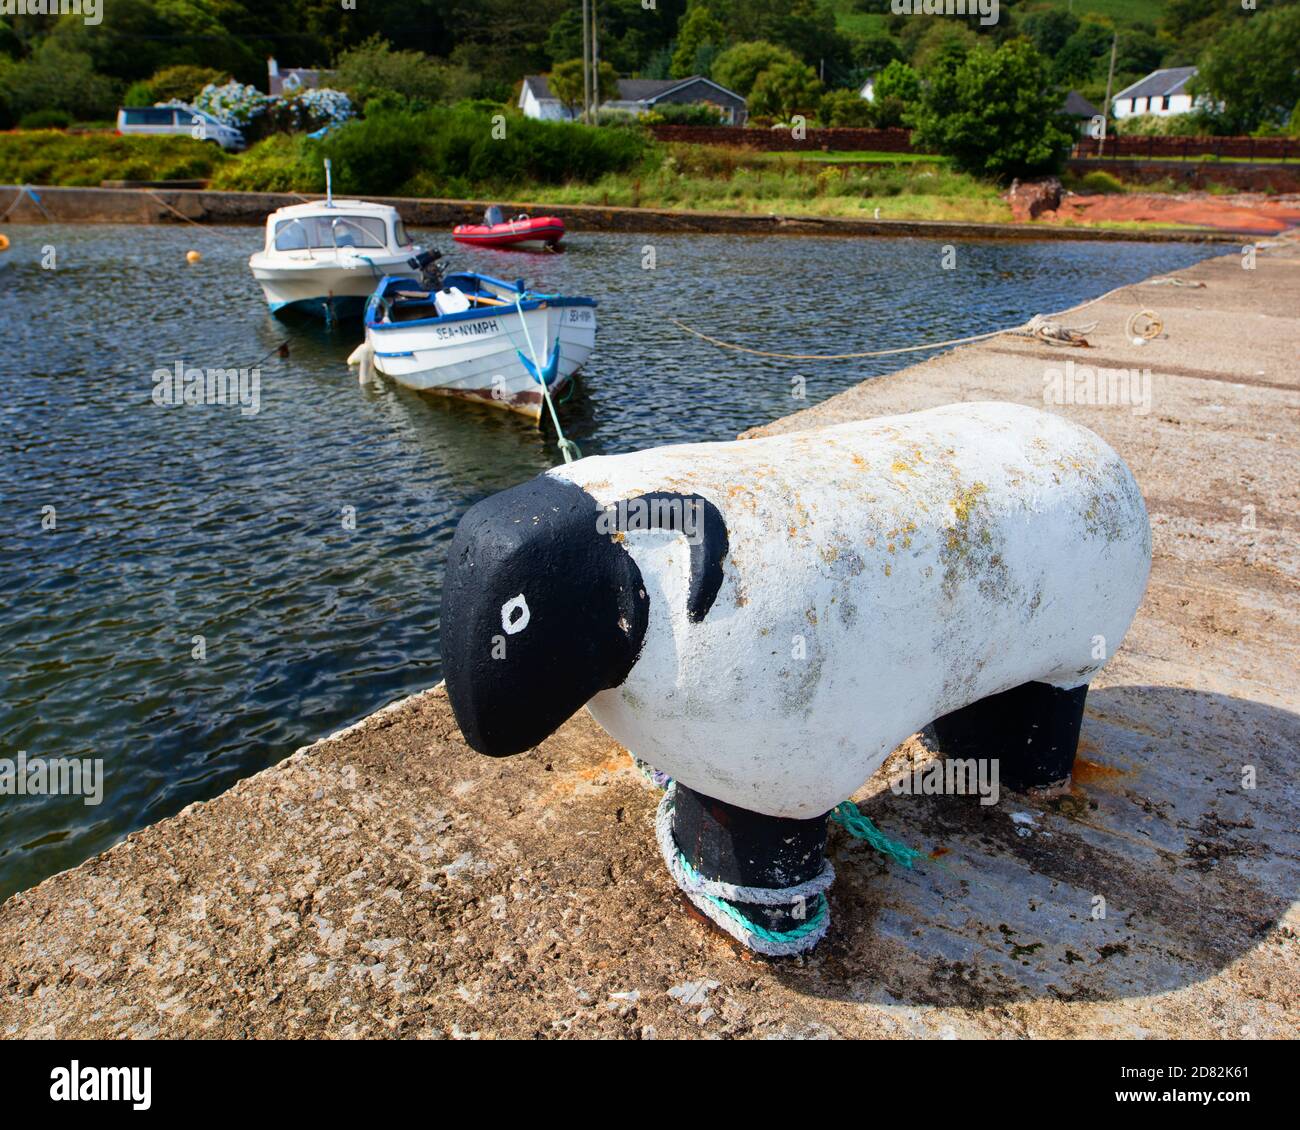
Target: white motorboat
[326, 257]
[478, 338]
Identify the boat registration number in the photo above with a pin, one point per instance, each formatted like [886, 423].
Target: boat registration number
[468, 329]
[580, 316]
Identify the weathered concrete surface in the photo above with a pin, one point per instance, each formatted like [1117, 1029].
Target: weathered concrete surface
[167, 206]
[390, 882]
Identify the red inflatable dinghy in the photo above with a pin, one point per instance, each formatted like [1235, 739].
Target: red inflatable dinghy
[497, 231]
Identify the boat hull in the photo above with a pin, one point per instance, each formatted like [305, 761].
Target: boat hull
[544, 231]
[325, 287]
[479, 358]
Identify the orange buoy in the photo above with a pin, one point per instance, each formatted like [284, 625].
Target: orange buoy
[193, 257]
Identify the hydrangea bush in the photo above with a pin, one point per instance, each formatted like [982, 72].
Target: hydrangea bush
[234, 103]
[259, 115]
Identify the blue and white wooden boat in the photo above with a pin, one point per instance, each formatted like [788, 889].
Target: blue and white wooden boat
[477, 338]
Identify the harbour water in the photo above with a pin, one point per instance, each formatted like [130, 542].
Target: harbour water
[189, 594]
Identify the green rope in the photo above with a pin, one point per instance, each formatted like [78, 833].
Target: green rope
[568, 448]
[776, 936]
[848, 817]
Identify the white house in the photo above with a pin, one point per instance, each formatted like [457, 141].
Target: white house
[291, 79]
[1163, 92]
[635, 96]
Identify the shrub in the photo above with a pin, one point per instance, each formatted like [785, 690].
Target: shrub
[994, 113]
[46, 119]
[846, 108]
[1099, 181]
[48, 157]
[688, 114]
[450, 150]
[281, 163]
[786, 89]
[181, 84]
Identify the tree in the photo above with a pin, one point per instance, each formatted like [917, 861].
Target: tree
[56, 78]
[1254, 70]
[845, 108]
[699, 38]
[565, 81]
[1048, 30]
[898, 80]
[785, 89]
[739, 66]
[876, 50]
[374, 68]
[995, 114]
[897, 88]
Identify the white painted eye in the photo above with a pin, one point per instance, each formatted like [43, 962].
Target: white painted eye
[515, 615]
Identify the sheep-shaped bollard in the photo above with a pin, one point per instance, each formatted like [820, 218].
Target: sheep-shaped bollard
[766, 620]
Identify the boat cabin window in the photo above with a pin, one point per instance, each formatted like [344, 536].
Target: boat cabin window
[399, 234]
[330, 231]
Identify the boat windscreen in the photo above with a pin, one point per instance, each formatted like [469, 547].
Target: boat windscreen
[493, 216]
[330, 231]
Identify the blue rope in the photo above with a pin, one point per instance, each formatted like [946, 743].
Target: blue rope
[792, 935]
[849, 817]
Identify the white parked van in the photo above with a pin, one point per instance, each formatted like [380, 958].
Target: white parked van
[178, 121]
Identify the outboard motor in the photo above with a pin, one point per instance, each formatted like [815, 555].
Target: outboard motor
[430, 272]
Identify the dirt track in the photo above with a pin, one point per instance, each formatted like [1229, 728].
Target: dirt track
[388, 881]
[1254, 213]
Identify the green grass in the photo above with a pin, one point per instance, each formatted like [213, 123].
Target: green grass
[56, 158]
[865, 157]
[715, 178]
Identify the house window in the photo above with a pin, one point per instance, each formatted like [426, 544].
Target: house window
[1164, 102]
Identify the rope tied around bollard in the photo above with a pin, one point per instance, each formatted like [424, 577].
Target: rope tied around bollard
[716, 899]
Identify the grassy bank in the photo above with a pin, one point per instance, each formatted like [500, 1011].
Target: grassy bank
[455, 154]
[85, 159]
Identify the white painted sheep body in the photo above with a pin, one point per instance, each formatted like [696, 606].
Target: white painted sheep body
[879, 574]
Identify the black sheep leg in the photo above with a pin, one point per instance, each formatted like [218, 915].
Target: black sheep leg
[1032, 729]
[734, 845]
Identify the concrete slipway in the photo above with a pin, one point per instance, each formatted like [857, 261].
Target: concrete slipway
[388, 881]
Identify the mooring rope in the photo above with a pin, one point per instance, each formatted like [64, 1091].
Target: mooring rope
[714, 899]
[26, 190]
[1040, 326]
[189, 219]
[568, 448]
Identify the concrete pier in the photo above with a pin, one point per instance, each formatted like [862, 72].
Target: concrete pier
[387, 881]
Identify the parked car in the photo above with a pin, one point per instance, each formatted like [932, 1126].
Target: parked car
[178, 121]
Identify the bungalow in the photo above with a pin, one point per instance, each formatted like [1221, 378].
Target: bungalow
[1163, 92]
[635, 96]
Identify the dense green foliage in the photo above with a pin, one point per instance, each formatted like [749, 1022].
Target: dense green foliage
[445, 151]
[993, 112]
[45, 157]
[1254, 70]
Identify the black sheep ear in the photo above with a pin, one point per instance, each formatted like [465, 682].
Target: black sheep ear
[704, 528]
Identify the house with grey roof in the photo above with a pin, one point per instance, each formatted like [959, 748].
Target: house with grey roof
[635, 96]
[1163, 92]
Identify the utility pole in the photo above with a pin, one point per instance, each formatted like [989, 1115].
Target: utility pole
[595, 66]
[586, 62]
[1105, 110]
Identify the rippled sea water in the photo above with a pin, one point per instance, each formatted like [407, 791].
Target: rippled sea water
[176, 523]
